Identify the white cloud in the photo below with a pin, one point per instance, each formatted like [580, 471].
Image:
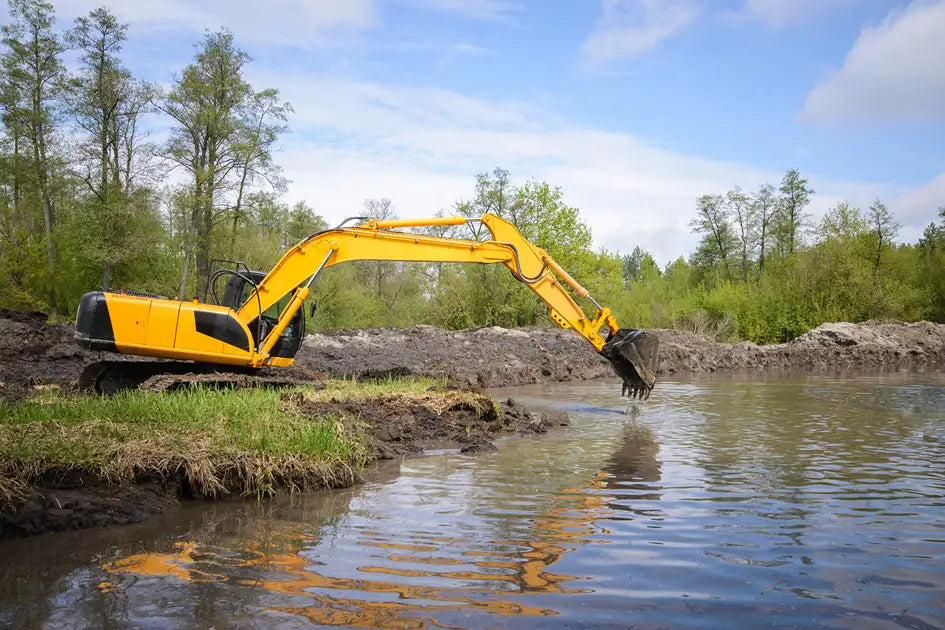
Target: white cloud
[274, 21]
[481, 9]
[783, 13]
[629, 28]
[894, 72]
[422, 147]
[918, 207]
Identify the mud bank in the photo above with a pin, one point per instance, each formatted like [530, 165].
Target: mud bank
[37, 498]
[35, 354]
[829, 347]
[495, 357]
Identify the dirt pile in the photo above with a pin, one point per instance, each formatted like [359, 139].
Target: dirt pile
[839, 346]
[34, 353]
[492, 357]
[478, 357]
[406, 424]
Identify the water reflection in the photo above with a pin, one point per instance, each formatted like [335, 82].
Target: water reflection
[787, 503]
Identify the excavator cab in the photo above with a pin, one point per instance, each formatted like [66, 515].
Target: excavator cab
[238, 289]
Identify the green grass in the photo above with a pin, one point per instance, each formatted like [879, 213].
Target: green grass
[249, 441]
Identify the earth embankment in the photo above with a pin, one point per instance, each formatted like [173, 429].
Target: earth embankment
[494, 357]
[35, 354]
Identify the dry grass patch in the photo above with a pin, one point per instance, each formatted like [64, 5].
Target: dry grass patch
[214, 441]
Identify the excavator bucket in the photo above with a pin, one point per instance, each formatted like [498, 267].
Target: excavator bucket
[634, 355]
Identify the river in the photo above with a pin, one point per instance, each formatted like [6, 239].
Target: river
[778, 502]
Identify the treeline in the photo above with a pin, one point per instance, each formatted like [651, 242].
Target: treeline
[83, 195]
[765, 272]
[87, 199]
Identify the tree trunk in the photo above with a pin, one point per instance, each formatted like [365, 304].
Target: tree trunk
[39, 160]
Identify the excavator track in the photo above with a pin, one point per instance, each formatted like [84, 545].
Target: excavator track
[111, 377]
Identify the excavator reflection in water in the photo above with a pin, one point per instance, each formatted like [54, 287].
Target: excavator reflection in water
[259, 322]
[422, 580]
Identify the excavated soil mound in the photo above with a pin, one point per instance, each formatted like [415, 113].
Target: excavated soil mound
[478, 357]
[829, 347]
[493, 357]
[35, 354]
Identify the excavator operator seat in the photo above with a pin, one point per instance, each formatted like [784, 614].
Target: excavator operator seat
[239, 287]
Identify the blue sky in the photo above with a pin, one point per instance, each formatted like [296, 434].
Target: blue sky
[633, 107]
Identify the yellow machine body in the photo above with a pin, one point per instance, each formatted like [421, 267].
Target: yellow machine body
[153, 326]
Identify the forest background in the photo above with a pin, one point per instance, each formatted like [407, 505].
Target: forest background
[88, 200]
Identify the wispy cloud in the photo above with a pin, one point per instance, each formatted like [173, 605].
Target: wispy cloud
[421, 147]
[629, 28]
[894, 72]
[479, 9]
[275, 21]
[471, 49]
[783, 13]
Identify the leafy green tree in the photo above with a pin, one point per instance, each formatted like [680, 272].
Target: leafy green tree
[718, 240]
[35, 76]
[765, 209]
[216, 139]
[931, 252]
[302, 221]
[795, 196]
[637, 264]
[106, 104]
[265, 122]
[742, 211]
[883, 230]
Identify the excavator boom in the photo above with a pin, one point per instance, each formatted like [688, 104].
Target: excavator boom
[238, 333]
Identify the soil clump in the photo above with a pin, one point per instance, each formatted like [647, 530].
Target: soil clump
[399, 425]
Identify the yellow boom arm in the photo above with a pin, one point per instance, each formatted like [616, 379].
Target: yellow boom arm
[376, 240]
[152, 325]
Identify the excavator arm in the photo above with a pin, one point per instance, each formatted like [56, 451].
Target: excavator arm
[233, 333]
[633, 353]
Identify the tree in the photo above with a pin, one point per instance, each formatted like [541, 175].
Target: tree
[302, 222]
[632, 264]
[931, 249]
[213, 110]
[718, 241]
[883, 232]
[34, 75]
[107, 105]
[765, 208]
[795, 196]
[266, 121]
[742, 211]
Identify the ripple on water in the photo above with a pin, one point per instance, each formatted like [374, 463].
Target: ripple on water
[719, 503]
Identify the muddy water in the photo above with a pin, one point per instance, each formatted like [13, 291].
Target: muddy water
[775, 503]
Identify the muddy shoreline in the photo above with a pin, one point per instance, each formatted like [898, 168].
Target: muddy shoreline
[395, 426]
[36, 355]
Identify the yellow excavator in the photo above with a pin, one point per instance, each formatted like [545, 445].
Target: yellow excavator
[259, 322]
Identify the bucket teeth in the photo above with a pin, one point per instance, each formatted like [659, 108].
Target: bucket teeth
[634, 355]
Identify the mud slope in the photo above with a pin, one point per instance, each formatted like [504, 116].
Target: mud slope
[34, 353]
